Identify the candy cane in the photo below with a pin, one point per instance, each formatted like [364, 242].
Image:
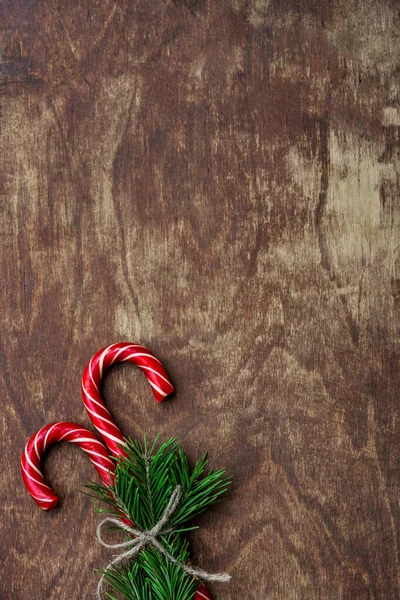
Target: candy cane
[47, 436]
[100, 415]
[202, 593]
[116, 353]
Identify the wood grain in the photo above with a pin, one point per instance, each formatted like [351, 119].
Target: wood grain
[218, 181]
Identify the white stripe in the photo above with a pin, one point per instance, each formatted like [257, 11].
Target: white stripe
[35, 480]
[157, 388]
[102, 418]
[123, 350]
[47, 435]
[72, 431]
[79, 440]
[102, 357]
[100, 455]
[31, 463]
[41, 499]
[98, 402]
[91, 374]
[93, 439]
[35, 443]
[112, 437]
[99, 466]
[202, 595]
[142, 354]
[115, 452]
[157, 373]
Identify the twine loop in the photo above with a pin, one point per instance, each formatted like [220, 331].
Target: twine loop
[149, 537]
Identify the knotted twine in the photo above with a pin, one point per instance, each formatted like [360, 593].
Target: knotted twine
[149, 537]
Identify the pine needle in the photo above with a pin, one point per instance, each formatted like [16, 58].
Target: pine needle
[143, 484]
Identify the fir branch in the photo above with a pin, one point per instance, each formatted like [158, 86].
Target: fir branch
[145, 480]
[152, 576]
[143, 484]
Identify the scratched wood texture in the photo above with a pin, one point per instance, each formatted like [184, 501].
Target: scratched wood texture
[218, 181]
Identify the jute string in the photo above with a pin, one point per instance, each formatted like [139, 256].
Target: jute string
[149, 537]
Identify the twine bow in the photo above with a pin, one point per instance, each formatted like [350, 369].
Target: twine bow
[149, 537]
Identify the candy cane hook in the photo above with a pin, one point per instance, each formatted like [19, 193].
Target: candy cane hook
[92, 376]
[47, 436]
[100, 415]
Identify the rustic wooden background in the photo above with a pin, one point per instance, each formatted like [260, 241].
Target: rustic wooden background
[218, 181]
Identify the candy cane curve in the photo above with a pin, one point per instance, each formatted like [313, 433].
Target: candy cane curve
[92, 376]
[100, 415]
[47, 436]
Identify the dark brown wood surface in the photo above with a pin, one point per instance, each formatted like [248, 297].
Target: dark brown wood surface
[218, 181]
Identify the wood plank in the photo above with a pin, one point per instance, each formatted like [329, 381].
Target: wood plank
[220, 182]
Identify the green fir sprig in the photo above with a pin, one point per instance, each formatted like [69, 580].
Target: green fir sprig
[143, 484]
[153, 577]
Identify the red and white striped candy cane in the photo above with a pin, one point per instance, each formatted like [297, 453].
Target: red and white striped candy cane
[102, 360]
[100, 415]
[47, 436]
